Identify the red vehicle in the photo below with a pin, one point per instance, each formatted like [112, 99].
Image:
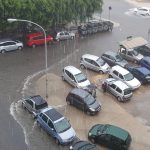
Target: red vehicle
[35, 39]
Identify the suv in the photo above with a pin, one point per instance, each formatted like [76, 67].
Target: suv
[110, 136]
[94, 63]
[124, 75]
[75, 77]
[84, 101]
[56, 125]
[38, 38]
[64, 35]
[112, 58]
[82, 145]
[34, 104]
[145, 62]
[10, 45]
[118, 88]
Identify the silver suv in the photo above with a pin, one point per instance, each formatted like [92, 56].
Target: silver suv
[75, 77]
[118, 88]
[64, 35]
[95, 63]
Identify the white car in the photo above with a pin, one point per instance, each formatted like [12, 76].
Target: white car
[75, 77]
[95, 63]
[145, 11]
[124, 75]
[64, 35]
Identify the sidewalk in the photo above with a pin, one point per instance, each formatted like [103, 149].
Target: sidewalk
[139, 3]
[111, 112]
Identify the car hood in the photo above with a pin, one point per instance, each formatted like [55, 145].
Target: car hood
[84, 84]
[93, 130]
[67, 135]
[139, 57]
[95, 105]
[134, 83]
[105, 66]
[122, 63]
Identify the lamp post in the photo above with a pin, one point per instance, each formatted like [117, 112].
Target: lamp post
[22, 20]
[109, 8]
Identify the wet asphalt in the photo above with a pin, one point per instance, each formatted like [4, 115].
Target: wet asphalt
[16, 66]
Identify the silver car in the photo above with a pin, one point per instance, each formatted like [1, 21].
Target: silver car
[64, 35]
[95, 63]
[75, 77]
[118, 88]
[10, 45]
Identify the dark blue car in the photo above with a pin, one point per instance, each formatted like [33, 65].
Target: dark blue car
[145, 62]
[141, 73]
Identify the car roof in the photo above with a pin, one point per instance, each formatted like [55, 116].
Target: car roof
[143, 8]
[5, 40]
[147, 58]
[72, 69]
[80, 92]
[38, 99]
[52, 113]
[111, 53]
[131, 42]
[120, 69]
[143, 70]
[89, 56]
[120, 84]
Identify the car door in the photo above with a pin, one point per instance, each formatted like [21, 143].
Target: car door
[123, 52]
[69, 77]
[51, 127]
[105, 139]
[29, 105]
[130, 56]
[78, 102]
[87, 63]
[8, 46]
[61, 35]
[115, 74]
[44, 121]
[138, 74]
[95, 66]
[67, 35]
[119, 92]
[112, 89]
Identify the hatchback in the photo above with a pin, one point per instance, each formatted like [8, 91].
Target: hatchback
[55, 124]
[35, 39]
[64, 35]
[82, 145]
[34, 104]
[145, 62]
[118, 88]
[141, 73]
[145, 11]
[94, 63]
[112, 58]
[124, 75]
[75, 77]
[110, 136]
[10, 45]
[84, 101]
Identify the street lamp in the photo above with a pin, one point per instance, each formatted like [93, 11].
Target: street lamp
[109, 8]
[21, 20]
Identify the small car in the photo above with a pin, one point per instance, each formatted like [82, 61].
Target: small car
[113, 58]
[10, 45]
[145, 11]
[118, 88]
[141, 73]
[82, 145]
[124, 75]
[110, 136]
[64, 35]
[95, 63]
[35, 39]
[55, 124]
[75, 77]
[145, 62]
[34, 104]
[84, 101]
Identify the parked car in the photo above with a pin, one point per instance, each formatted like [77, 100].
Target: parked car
[118, 88]
[82, 145]
[35, 39]
[141, 73]
[94, 63]
[113, 58]
[124, 75]
[64, 35]
[145, 11]
[145, 62]
[55, 124]
[84, 101]
[110, 136]
[34, 104]
[10, 45]
[75, 77]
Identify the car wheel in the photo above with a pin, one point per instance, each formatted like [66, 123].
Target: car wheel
[82, 66]
[33, 46]
[63, 78]
[119, 98]
[38, 124]
[33, 116]
[110, 76]
[101, 72]
[106, 27]
[92, 140]
[58, 39]
[88, 113]
[57, 141]
[20, 48]
[72, 37]
[3, 51]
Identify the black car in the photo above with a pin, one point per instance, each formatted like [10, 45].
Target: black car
[144, 49]
[141, 73]
[113, 58]
[34, 104]
[110, 136]
[84, 101]
[83, 145]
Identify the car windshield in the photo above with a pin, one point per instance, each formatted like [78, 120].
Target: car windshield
[89, 99]
[127, 91]
[135, 53]
[100, 62]
[128, 77]
[118, 58]
[62, 126]
[80, 77]
[102, 129]
[87, 147]
[37, 107]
